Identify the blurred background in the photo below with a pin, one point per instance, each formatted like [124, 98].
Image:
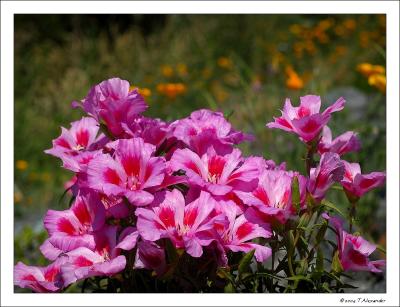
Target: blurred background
[242, 65]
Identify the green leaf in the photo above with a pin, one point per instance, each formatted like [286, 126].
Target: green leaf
[290, 242]
[229, 288]
[303, 266]
[328, 204]
[320, 260]
[321, 233]
[296, 194]
[337, 187]
[304, 220]
[381, 249]
[172, 254]
[225, 274]
[245, 262]
[336, 265]
[325, 286]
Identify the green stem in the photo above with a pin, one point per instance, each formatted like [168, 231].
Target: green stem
[352, 215]
[291, 252]
[290, 264]
[311, 149]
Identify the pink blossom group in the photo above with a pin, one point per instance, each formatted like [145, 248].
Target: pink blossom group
[140, 181]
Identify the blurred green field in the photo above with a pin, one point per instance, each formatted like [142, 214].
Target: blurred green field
[243, 65]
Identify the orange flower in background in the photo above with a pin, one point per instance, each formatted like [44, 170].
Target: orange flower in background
[18, 197]
[167, 71]
[21, 165]
[144, 91]
[367, 69]
[293, 81]
[224, 62]
[350, 24]
[171, 90]
[375, 74]
[378, 81]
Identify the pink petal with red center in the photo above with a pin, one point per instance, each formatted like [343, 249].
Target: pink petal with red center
[244, 230]
[105, 175]
[344, 143]
[308, 128]
[190, 162]
[49, 251]
[330, 169]
[309, 105]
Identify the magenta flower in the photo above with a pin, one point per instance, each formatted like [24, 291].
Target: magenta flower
[205, 128]
[103, 260]
[131, 171]
[354, 251]
[217, 174]
[150, 256]
[305, 120]
[72, 145]
[151, 130]
[358, 184]
[128, 238]
[273, 195]
[234, 234]
[39, 279]
[186, 226]
[73, 228]
[344, 143]
[113, 103]
[329, 170]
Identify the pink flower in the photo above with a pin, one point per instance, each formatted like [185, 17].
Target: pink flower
[217, 174]
[344, 143]
[329, 170]
[72, 145]
[131, 171]
[273, 195]
[305, 120]
[128, 238]
[354, 251]
[73, 228]
[39, 279]
[358, 184]
[205, 128]
[112, 102]
[186, 226]
[150, 256]
[103, 260]
[235, 233]
[151, 130]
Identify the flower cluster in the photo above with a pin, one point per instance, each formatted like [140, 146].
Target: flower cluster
[142, 185]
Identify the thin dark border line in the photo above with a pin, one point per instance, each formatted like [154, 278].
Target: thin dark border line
[210, 14]
[207, 0]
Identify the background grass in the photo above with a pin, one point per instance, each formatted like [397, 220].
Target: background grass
[239, 64]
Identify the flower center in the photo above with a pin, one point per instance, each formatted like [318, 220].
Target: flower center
[78, 147]
[213, 178]
[133, 183]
